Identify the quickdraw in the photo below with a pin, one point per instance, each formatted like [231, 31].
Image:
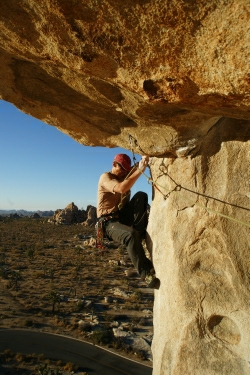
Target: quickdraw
[99, 242]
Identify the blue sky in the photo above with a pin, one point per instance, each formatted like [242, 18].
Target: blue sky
[41, 168]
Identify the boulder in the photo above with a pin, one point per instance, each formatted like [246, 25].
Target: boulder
[35, 216]
[69, 215]
[91, 217]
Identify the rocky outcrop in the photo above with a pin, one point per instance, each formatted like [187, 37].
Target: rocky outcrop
[69, 215]
[91, 216]
[35, 216]
[14, 216]
[171, 80]
[72, 215]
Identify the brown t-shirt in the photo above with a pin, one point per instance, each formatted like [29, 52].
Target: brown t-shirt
[107, 199]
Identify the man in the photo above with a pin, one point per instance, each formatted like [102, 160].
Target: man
[125, 220]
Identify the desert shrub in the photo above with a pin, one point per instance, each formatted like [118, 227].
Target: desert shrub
[78, 306]
[8, 352]
[40, 357]
[59, 259]
[20, 358]
[117, 268]
[39, 246]
[102, 336]
[28, 323]
[44, 369]
[109, 317]
[136, 319]
[128, 306]
[140, 354]
[30, 253]
[116, 343]
[50, 272]
[3, 273]
[40, 253]
[143, 322]
[15, 278]
[129, 328]
[136, 296]
[68, 263]
[4, 249]
[70, 367]
[54, 299]
[2, 256]
[78, 250]
[38, 274]
[119, 344]
[85, 327]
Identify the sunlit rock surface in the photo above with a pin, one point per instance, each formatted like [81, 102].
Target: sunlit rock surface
[163, 72]
[169, 79]
[201, 312]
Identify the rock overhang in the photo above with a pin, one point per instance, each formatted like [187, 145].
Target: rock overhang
[161, 72]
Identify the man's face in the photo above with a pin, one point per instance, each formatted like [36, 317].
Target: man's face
[118, 170]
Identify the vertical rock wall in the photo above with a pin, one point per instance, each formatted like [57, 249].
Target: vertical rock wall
[201, 312]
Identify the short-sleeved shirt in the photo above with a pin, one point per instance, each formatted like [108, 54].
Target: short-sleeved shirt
[107, 200]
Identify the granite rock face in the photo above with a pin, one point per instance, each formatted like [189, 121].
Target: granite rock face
[169, 79]
[101, 71]
[201, 311]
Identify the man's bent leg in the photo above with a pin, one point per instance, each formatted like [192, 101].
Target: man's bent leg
[131, 239]
[135, 213]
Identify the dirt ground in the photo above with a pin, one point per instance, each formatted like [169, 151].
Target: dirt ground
[51, 279]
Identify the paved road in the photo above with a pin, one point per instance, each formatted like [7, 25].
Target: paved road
[87, 357]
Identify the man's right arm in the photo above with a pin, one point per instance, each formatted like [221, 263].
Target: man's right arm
[124, 186]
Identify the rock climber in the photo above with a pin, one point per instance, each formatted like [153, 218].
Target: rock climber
[123, 219]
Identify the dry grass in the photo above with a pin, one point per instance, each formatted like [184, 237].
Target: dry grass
[32, 364]
[46, 274]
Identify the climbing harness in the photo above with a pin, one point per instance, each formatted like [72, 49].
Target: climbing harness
[100, 229]
[99, 242]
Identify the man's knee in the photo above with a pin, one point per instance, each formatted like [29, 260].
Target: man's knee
[141, 196]
[132, 235]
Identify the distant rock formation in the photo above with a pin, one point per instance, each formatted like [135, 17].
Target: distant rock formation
[22, 213]
[91, 216]
[35, 216]
[14, 216]
[72, 215]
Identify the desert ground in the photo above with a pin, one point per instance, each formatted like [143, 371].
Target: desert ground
[52, 280]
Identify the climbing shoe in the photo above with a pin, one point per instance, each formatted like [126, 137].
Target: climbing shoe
[152, 281]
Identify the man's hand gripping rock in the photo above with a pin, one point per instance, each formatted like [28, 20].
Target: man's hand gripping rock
[143, 163]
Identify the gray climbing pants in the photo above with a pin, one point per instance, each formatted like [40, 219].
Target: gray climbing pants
[130, 229]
